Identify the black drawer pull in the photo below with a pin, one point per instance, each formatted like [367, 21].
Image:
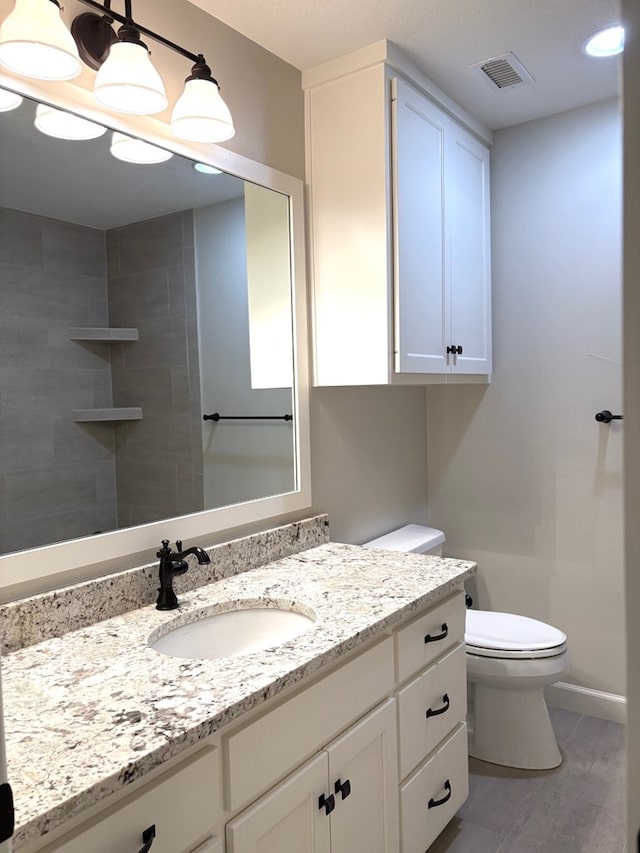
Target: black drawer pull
[434, 803]
[444, 709]
[147, 836]
[327, 803]
[343, 788]
[436, 637]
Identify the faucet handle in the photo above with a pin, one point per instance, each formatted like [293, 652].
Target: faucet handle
[165, 550]
[178, 545]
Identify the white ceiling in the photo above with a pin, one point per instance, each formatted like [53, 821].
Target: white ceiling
[445, 37]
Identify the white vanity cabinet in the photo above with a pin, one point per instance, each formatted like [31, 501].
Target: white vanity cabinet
[369, 756]
[343, 799]
[399, 233]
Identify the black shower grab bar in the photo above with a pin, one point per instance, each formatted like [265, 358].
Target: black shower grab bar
[605, 417]
[218, 417]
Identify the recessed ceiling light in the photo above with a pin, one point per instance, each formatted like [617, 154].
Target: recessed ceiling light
[9, 100]
[206, 170]
[607, 42]
[136, 151]
[63, 125]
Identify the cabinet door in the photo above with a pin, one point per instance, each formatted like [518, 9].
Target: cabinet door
[172, 814]
[363, 778]
[418, 141]
[469, 239]
[287, 819]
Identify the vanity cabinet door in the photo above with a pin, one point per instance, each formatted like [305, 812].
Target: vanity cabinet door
[341, 801]
[363, 780]
[183, 806]
[288, 819]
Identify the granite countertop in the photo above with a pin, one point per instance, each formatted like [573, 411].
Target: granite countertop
[89, 712]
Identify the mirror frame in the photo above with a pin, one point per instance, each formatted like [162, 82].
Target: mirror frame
[36, 569]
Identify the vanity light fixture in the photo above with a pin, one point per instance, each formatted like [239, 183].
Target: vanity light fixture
[206, 170]
[9, 100]
[34, 42]
[133, 150]
[607, 42]
[64, 125]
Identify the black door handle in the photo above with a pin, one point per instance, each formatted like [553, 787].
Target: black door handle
[444, 709]
[434, 803]
[343, 788]
[436, 637]
[147, 836]
[327, 803]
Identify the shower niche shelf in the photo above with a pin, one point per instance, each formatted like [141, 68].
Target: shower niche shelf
[106, 335]
[131, 413]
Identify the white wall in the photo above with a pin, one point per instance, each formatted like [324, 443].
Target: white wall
[368, 459]
[521, 477]
[242, 460]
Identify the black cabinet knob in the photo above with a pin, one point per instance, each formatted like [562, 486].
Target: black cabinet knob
[343, 788]
[327, 803]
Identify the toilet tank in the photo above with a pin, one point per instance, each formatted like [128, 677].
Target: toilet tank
[412, 538]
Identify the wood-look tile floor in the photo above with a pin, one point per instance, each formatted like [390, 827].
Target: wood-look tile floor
[576, 808]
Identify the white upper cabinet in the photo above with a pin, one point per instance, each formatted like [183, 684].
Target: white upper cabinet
[399, 233]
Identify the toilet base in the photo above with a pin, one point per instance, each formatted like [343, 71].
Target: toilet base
[513, 728]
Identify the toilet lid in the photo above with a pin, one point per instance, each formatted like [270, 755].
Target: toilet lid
[505, 635]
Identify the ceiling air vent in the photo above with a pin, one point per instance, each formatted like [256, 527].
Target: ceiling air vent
[503, 72]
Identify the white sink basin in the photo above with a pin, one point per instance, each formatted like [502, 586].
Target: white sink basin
[233, 633]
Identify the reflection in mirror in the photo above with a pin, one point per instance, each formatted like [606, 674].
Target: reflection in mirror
[136, 299]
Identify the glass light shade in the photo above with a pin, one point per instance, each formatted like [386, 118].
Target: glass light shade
[200, 114]
[136, 151]
[607, 42]
[127, 81]
[34, 42]
[65, 125]
[9, 100]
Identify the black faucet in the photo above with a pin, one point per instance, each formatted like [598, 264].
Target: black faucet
[172, 563]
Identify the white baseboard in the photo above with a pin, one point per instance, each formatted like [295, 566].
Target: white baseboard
[583, 700]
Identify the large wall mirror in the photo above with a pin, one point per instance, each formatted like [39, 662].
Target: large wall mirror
[152, 328]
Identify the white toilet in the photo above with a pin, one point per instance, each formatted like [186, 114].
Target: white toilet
[510, 660]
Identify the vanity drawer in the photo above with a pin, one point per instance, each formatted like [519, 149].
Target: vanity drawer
[184, 805]
[430, 635]
[430, 706]
[267, 749]
[432, 796]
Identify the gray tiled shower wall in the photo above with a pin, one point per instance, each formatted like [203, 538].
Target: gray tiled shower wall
[57, 477]
[151, 272]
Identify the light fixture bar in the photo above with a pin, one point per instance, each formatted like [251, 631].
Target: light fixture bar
[106, 9]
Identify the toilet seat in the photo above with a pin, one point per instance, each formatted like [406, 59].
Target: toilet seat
[508, 636]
